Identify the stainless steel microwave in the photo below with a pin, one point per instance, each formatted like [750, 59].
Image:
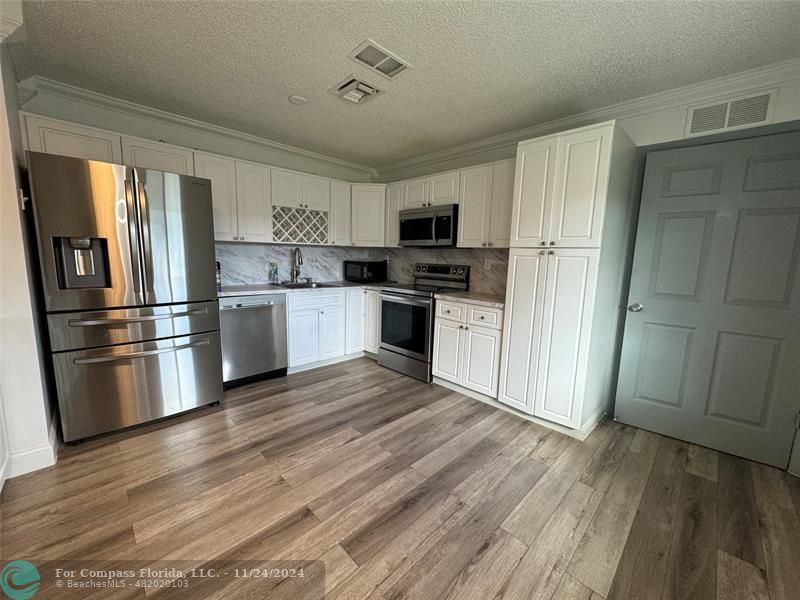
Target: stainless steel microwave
[429, 226]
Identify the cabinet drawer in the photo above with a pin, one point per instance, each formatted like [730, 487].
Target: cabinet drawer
[315, 300]
[485, 316]
[451, 311]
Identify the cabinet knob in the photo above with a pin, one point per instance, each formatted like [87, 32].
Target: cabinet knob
[241, 238]
[447, 311]
[482, 317]
[484, 244]
[542, 252]
[552, 243]
[489, 244]
[552, 252]
[544, 243]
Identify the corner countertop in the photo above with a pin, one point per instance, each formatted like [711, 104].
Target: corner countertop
[268, 288]
[490, 300]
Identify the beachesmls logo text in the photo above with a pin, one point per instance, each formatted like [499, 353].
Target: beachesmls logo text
[19, 580]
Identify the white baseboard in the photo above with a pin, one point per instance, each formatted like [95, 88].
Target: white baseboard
[579, 434]
[36, 458]
[4, 468]
[322, 363]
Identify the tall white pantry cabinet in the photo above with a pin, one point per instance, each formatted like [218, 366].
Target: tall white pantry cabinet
[571, 231]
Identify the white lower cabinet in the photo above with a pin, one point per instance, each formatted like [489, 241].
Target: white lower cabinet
[303, 337]
[464, 353]
[354, 338]
[325, 325]
[371, 321]
[331, 332]
[548, 321]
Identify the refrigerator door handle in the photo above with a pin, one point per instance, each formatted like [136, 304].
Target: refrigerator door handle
[133, 237]
[144, 219]
[140, 354]
[143, 319]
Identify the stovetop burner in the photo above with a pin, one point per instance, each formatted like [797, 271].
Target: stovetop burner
[430, 279]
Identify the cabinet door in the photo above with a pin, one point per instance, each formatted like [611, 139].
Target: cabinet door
[444, 188]
[522, 325]
[474, 208]
[157, 156]
[371, 320]
[58, 137]
[394, 200]
[222, 173]
[303, 337]
[579, 193]
[533, 191]
[415, 193]
[355, 321]
[340, 214]
[287, 188]
[316, 193]
[481, 359]
[566, 330]
[331, 333]
[254, 200]
[447, 350]
[369, 209]
[502, 201]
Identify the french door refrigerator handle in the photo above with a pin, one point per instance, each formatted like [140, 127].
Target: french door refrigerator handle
[133, 235]
[144, 220]
[140, 354]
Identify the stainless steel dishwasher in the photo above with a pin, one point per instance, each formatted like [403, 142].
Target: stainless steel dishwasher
[253, 335]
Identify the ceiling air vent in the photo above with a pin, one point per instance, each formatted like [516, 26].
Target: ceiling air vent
[379, 59]
[733, 113]
[354, 90]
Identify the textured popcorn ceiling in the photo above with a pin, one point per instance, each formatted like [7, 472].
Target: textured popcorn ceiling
[481, 68]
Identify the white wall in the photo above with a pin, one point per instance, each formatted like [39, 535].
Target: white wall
[23, 394]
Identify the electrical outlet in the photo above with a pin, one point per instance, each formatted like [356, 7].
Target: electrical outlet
[487, 265]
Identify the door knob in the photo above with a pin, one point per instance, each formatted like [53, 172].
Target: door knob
[636, 307]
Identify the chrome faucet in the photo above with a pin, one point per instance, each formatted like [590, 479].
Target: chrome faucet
[297, 260]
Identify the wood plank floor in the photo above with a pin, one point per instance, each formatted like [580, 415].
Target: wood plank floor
[406, 490]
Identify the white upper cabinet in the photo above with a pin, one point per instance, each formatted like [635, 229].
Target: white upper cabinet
[316, 193]
[287, 188]
[340, 214]
[443, 189]
[394, 200]
[474, 209]
[147, 154]
[369, 210]
[58, 137]
[502, 202]
[581, 183]
[253, 198]
[560, 189]
[415, 193]
[533, 190]
[222, 173]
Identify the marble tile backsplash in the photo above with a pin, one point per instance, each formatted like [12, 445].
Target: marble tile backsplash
[248, 264]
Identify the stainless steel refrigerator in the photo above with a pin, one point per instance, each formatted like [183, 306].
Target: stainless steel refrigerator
[128, 274]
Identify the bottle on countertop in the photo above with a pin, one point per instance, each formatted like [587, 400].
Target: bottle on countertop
[219, 277]
[273, 273]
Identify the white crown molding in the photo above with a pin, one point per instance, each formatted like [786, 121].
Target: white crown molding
[42, 85]
[752, 79]
[8, 25]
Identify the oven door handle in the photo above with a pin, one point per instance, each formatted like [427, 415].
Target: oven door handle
[406, 300]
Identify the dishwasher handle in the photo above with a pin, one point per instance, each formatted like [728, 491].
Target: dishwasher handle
[246, 306]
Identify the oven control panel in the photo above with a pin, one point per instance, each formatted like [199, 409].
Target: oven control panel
[439, 271]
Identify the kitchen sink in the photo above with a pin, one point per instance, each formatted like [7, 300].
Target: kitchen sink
[307, 285]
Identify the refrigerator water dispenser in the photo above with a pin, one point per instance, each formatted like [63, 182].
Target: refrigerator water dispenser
[82, 262]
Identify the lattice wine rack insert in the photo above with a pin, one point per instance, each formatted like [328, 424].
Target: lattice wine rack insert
[299, 225]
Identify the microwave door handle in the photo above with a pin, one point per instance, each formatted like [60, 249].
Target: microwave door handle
[433, 227]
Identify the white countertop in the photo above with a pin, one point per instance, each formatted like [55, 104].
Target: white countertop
[267, 288]
[490, 300]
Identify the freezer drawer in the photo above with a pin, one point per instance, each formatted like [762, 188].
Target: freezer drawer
[105, 389]
[96, 328]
